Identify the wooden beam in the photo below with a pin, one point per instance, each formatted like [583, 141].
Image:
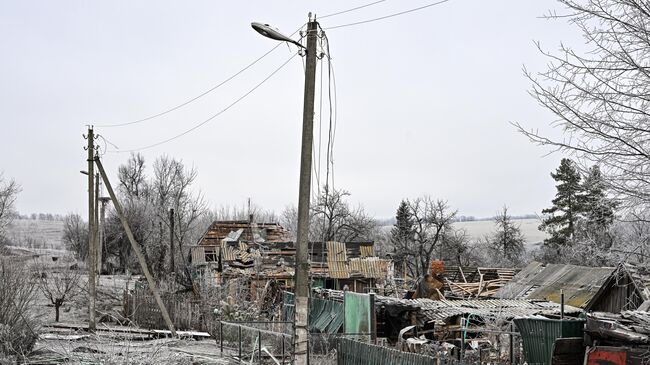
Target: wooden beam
[136, 248]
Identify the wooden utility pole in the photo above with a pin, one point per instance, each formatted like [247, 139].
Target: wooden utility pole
[92, 231]
[96, 228]
[102, 223]
[301, 329]
[171, 240]
[136, 248]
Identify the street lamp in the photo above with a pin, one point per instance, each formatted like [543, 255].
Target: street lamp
[301, 330]
[267, 31]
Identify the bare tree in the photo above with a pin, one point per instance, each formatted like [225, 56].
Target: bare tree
[147, 203]
[18, 329]
[432, 221]
[75, 235]
[132, 177]
[333, 219]
[9, 190]
[507, 240]
[600, 97]
[58, 287]
[456, 248]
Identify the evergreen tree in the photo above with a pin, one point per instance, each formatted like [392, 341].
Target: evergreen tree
[508, 239]
[401, 235]
[568, 205]
[598, 208]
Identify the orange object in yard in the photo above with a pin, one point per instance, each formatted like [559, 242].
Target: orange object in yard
[607, 356]
[437, 267]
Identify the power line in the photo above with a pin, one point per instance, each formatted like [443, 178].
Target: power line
[203, 93]
[336, 110]
[388, 16]
[349, 10]
[214, 115]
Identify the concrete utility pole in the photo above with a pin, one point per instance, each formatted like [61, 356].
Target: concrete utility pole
[301, 335]
[91, 230]
[136, 248]
[171, 240]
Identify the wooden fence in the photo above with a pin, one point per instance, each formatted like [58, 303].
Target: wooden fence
[184, 311]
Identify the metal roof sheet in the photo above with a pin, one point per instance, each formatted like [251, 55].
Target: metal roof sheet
[429, 310]
[579, 283]
[369, 267]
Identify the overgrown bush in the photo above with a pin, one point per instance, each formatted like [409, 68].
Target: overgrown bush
[18, 328]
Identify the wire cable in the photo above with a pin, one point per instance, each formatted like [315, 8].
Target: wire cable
[203, 93]
[349, 10]
[217, 114]
[388, 16]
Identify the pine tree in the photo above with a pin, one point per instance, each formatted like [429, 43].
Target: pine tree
[401, 235]
[568, 205]
[598, 208]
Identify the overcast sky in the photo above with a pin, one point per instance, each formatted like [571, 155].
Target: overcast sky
[425, 99]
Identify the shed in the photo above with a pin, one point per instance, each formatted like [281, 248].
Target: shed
[626, 288]
[545, 282]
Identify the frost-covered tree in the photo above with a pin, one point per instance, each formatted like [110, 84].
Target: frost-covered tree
[9, 190]
[334, 219]
[599, 96]
[562, 217]
[507, 240]
[147, 200]
[432, 225]
[75, 235]
[599, 209]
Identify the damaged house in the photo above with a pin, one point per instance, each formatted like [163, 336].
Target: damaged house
[607, 289]
[264, 255]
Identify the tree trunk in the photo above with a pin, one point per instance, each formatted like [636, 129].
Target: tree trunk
[56, 312]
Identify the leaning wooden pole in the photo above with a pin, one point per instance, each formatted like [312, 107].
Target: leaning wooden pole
[136, 248]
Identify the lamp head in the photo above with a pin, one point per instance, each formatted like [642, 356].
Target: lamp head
[267, 31]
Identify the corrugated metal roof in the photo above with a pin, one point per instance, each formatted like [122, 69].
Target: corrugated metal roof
[336, 251]
[369, 267]
[367, 250]
[579, 283]
[338, 270]
[438, 311]
[266, 232]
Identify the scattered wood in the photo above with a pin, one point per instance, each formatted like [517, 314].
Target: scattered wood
[132, 330]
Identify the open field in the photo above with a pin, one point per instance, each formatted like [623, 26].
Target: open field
[479, 229]
[36, 233]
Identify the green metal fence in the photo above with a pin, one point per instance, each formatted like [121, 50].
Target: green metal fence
[350, 352]
[325, 316]
[539, 335]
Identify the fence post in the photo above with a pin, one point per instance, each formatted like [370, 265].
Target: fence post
[221, 336]
[512, 346]
[259, 346]
[239, 344]
[282, 350]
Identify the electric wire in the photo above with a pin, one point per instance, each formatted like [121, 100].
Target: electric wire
[349, 10]
[216, 114]
[336, 110]
[167, 111]
[388, 16]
